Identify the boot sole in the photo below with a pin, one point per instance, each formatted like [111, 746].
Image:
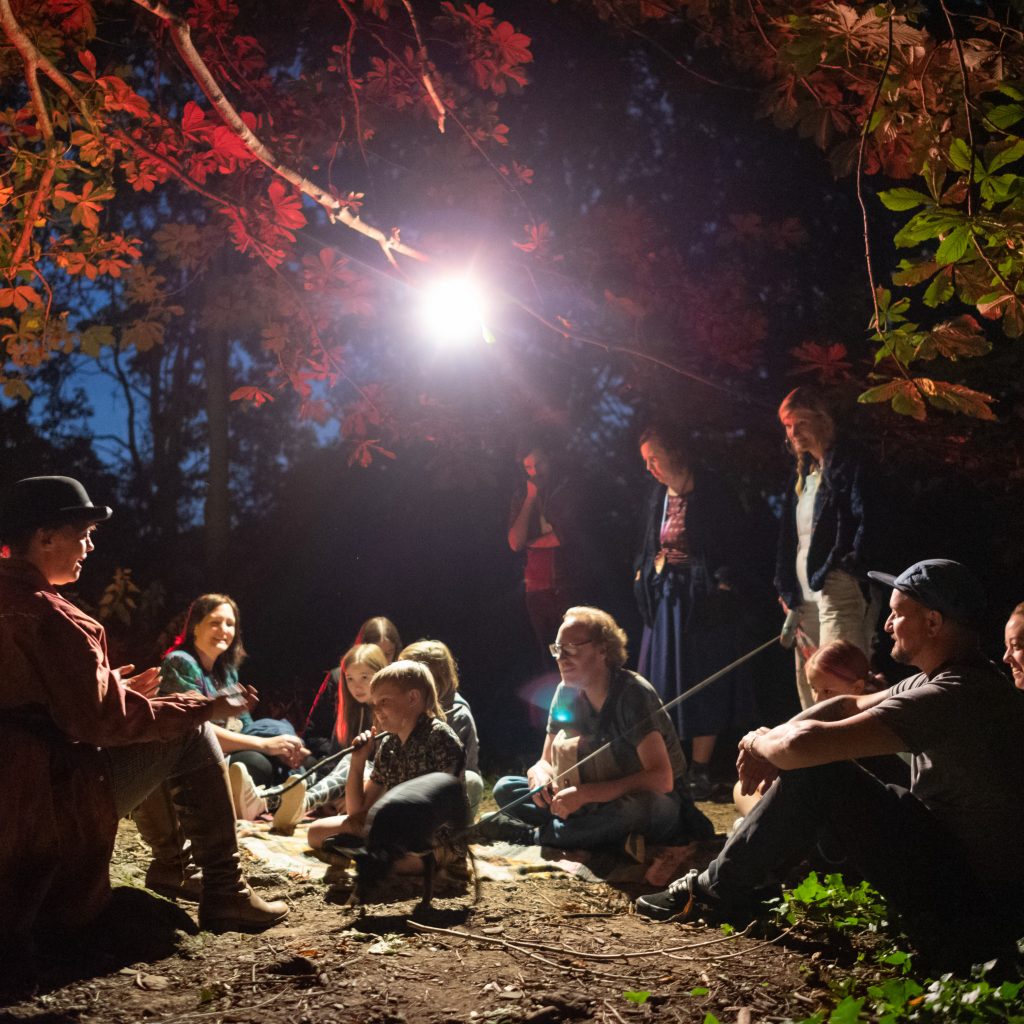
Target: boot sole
[222, 925]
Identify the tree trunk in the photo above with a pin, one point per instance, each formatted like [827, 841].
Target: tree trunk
[217, 517]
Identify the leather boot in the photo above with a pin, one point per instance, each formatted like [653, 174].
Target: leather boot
[227, 904]
[172, 872]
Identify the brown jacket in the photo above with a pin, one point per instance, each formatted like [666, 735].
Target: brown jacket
[60, 704]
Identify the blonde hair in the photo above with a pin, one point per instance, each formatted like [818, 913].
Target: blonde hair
[411, 675]
[349, 722]
[808, 399]
[438, 658]
[604, 630]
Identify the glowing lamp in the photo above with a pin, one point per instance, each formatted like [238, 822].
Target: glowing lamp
[453, 310]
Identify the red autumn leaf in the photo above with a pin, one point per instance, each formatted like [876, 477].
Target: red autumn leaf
[20, 297]
[286, 207]
[255, 395]
[379, 8]
[827, 361]
[538, 238]
[193, 121]
[510, 47]
[88, 61]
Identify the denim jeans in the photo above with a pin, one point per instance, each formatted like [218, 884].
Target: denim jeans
[887, 834]
[654, 815]
[841, 613]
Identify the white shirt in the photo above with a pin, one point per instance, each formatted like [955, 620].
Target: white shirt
[804, 521]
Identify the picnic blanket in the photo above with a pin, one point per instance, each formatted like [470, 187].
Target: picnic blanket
[499, 862]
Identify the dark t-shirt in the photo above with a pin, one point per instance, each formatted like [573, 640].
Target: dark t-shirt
[631, 710]
[965, 728]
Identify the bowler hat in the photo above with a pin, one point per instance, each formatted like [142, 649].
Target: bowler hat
[942, 585]
[48, 500]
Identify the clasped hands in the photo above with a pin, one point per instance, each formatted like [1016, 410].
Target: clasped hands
[752, 769]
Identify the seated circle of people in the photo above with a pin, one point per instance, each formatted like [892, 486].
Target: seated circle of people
[319, 733]
[945, 852]
[354, 715]
[414, 740]
[635, 787]
[90, 741]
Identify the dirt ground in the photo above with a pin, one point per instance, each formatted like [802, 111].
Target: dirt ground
[544, 947]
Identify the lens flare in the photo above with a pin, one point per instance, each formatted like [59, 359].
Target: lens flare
[453, 310]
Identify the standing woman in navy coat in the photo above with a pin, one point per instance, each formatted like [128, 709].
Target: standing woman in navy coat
[693, 583]
[829, 533]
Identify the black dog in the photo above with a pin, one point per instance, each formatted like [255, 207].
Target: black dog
[411, 818]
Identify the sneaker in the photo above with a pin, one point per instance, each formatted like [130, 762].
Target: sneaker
[699, 783]
[290, 810]
[681, 901]
[502, 828]
[245, 797]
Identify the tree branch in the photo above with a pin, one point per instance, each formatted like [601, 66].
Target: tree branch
[32, 60]
[336, 210]
[967, 103]
[428, 82]
[860, 172]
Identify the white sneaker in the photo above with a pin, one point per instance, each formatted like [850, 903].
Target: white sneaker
[249, 805]
[290, 810]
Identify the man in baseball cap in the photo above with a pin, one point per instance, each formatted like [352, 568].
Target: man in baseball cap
[944, 853]
[89, 746]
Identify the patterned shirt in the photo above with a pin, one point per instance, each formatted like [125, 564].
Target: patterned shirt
[673, 530]
[431, 747]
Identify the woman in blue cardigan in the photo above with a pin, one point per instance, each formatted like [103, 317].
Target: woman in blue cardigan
[831, 512]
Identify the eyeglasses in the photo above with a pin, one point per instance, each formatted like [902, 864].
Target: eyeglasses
[557, 649]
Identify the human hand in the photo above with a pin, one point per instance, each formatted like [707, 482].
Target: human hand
[567, 801]
[541, 775]
[531, 490]
[147, 683]
[363, 744]
[753, 770]
[286, 748]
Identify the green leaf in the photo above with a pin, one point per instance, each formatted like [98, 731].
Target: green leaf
[847, 1012]
[1005, 115]
[699, 991]
[910, 272]
[903, 198]
[637, 997]
[960, 155]
[1010, 155]
[954, 245]
[925, 225]
[957, 398]
[711, 1019]
[940, 290]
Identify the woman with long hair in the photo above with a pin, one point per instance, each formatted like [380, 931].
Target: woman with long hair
[831, 513]
[205, 658]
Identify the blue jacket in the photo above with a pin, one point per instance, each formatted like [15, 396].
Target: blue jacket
[845, 530]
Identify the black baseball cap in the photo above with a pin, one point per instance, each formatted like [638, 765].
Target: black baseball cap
[942, 585]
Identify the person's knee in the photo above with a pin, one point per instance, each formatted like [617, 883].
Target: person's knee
[474, 791]
[508, 788]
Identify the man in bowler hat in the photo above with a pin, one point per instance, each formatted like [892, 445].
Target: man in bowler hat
[89, 745]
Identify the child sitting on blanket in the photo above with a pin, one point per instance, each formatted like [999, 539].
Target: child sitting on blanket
[438, 658]
[358, 666]
[415, 741]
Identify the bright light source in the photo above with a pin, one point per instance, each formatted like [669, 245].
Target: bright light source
[453, 309]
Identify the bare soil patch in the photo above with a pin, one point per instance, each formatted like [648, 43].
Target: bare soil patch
[542, 948]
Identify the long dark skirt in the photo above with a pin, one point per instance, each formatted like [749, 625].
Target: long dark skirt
[673, 659]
